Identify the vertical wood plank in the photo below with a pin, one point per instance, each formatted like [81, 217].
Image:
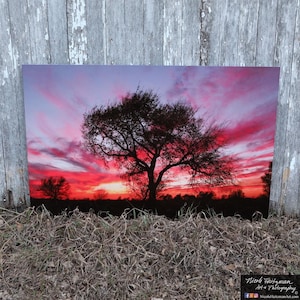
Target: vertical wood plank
[124, 32]
[172, 46]
[38, 31]
[153, 32]
[13, 141]
[232, 32]
[230, 38]
[133, 35]
[7, 59]
[285, 197]
[96, 47]
[205, 30]
[211, 20]
[266, 33]
[57, 31]
[77, 31]
[4, 80]
[223, 30]
[293, 198]
[190, 36]
[247, 37]
[3, 186]
[266, 39]
[115, 31]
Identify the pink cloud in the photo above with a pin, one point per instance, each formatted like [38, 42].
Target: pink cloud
[71, 152]
[183, 87]
[225, 91]
[44, 125]
[243, 131]
[52, 97]
[32, 151]
[119, 91]
[61, 101]
[257, 146]
[259, 127]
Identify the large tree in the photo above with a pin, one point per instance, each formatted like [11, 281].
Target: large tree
[147, 139]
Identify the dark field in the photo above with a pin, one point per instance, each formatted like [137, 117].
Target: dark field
[170, 207]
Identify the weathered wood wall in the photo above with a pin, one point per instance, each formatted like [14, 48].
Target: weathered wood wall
[180, 32]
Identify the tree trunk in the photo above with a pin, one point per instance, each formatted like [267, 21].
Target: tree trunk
[152, 186]
[152, 195]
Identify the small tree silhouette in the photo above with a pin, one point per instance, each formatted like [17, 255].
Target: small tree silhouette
[237, 194]
[147, 139]
[55, 188]
[266, 179]
[100, 194]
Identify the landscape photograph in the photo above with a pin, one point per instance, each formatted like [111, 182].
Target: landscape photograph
[167, 139]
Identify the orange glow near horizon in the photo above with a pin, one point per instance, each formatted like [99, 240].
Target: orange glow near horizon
[119, 190]
[115, 189]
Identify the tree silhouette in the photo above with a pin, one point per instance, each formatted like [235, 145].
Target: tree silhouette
[237, 194]
[207, 195]
[100, 194]
[55, 188]
[147, 139]
[266, 179]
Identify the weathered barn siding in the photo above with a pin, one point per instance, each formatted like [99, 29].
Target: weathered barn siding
[180, 32]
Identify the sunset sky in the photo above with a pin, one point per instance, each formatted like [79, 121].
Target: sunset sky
[244, 100]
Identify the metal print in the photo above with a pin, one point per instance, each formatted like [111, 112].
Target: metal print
[111, 138]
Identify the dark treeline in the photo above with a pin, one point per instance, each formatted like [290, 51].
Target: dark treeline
[169, 206]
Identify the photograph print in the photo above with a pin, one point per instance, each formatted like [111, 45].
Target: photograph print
[157, 138]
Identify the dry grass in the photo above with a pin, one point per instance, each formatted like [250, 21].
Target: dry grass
[84, 256]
